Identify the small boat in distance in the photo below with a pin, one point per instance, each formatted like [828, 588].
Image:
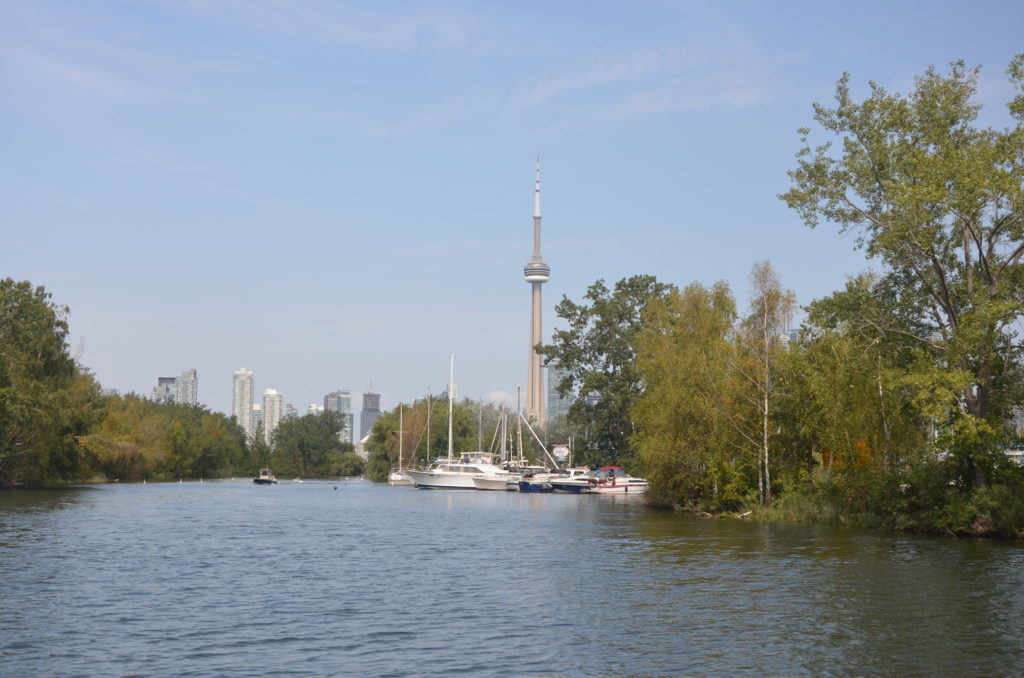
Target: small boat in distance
[265, 478]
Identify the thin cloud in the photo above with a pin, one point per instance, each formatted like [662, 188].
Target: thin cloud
[95, 81]
[625, 68]
[342, 23]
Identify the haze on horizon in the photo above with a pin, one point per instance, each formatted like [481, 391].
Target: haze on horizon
[339, 194]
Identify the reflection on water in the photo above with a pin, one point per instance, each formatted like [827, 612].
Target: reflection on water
[230, 579]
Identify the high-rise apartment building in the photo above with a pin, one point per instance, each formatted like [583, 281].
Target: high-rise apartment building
[369, 414]
[341, 402]
[186, 388]
[164, 390]
[241, 401]
[182, 390]
[273, 408]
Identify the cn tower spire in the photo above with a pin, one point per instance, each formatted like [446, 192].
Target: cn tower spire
[537, 272]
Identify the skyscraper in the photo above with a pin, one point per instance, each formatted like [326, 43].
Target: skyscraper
[186, 388]
[164, 391]
[371, 410]
[182, 390]
[241, 400]
[537, 272]
[273, 408]
[341, 402]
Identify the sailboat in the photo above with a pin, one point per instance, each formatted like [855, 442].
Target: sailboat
[450, 473]
[399, 476]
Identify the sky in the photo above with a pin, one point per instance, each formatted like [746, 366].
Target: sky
[338, 195]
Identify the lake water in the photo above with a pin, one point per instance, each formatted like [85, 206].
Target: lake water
[302, 579]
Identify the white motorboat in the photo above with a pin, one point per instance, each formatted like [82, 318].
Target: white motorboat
[613, 480]
[460, 474]
[575, 481]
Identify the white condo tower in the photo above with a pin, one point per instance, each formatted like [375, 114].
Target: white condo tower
[537, 272]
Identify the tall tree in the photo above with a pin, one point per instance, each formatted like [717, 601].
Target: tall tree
[941, 203]
[771, 308]
[597, 351]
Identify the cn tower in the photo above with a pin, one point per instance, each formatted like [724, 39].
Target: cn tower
[537, 272]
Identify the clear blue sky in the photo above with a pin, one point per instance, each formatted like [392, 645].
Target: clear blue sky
[336, 193]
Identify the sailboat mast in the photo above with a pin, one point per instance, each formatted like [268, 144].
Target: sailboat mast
[519, 428]
[399, 437]
[451, 388]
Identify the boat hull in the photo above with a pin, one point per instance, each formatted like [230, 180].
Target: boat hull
[490, 483]
[571, 486]
[534, 486]
[441, 481]
[620, 488]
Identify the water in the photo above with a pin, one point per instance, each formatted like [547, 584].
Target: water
[230, 579]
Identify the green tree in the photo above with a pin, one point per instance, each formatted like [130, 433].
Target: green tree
[940, 202]
[597, 351]
[46, 401]
[684, 432]
[139, 439]
[771, 308]
[310, 445]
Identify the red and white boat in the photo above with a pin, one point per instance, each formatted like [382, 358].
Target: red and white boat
[613, 480]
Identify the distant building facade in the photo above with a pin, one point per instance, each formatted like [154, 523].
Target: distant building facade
[257, 419]
[341, 402]
[273, 408]
[163, 392]
[369, 414]
[1017, 421]
[242, 401]
[182, 389]
[186, 388]
[558, 406]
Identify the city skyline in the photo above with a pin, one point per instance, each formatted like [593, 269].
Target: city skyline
[347, 204]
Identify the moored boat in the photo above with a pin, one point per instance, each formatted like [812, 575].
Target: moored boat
[459, 474]
[265, 478]
[613, 480]
[574, 481]
[604, 480]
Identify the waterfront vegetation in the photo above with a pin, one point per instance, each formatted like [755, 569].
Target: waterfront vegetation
[887, 407]
[890, 407]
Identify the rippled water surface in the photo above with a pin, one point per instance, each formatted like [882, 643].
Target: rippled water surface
[302, 579]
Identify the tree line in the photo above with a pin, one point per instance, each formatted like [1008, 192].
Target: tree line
[55, 427]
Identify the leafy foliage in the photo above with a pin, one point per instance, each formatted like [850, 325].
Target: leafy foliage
[941, 203]
[597, 351]
[310, 446]
[139, 439]
[45, 399]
